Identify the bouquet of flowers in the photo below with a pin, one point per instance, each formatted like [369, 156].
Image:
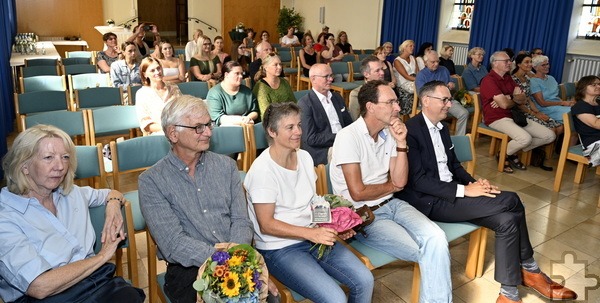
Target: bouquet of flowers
[234, 273]
[240, 27]
[343, 218]
[110, 22]
[464, 98]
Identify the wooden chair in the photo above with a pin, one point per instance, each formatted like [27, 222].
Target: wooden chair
[573, 153]
[42, 83]
[112, 122]
[75, 60]
[96, 97]
[301, 93]
[197, 89]
[40, 70]
[156, 281]
[88, 80]
[567, 90]
[38, 102]
[40, 62]
[227, 140]
[91, 55]
[300, 78]
[131, 92]
[479, 128]
[73, 123]
[343, 88]
[77, 69]
[256, 140]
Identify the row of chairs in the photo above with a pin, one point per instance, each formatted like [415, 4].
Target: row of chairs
[77, 63]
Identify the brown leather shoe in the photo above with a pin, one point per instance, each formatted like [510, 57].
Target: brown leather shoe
[503, 299]
[546, 287]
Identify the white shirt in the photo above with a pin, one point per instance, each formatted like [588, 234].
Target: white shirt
[332, 115]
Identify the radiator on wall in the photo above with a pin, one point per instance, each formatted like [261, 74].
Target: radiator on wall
[583, 66]
[460, 53]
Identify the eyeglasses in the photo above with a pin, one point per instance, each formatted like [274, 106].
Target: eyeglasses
[391, 102]
[200, 128]
[595, 84]
[445, 100]
[330, 76]
[545, 64]
[505, 60]
[207, 44]
[241, 47]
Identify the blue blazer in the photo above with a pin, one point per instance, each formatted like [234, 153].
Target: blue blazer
[424, 187]
[317, 137]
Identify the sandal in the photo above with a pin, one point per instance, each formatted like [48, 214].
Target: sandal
[515, 163]
[507, 169]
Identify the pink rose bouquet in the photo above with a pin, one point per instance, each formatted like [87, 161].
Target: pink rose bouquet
[343, 218]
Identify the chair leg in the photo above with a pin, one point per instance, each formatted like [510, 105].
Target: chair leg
[284, 293]
[416, 284]
[526, 158]
[476, 239]
[580, 173]
[482, 245]
[493, 146]
[560, 169]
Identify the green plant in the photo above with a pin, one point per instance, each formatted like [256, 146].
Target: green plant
[288, 17]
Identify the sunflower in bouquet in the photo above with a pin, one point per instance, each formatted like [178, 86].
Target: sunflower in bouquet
[464, 98]
[234, 273]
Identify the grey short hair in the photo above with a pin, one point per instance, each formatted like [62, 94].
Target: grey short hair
[182, 106]
[495, 55]
[539, 59]
[430, 53]
[474, 50]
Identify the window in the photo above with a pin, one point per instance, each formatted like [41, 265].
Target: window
[589, 26]
[462, 14]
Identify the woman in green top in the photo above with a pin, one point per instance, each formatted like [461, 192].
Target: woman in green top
[204, 65]
[230, 102]
[269, 87]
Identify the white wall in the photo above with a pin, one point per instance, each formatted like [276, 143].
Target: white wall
[208, 11]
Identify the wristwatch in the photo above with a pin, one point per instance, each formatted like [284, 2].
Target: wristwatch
[402, 149]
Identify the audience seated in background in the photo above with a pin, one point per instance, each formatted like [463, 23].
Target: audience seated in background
[320, 43]
[238, 54]
[433, 71]
[369, 164]
[165, 191]
[405, 67]
[388, 74]
[324, 114]
[270, 87]
[586, 116]
[173, 67]
[230, 102]
[475, 70]
[420, 56]
[331, 52]
[204, 66]
[152, 97]
[442, 189]
[545, 90]
[249, 40]
[281, 188]
[308, 55]
[343, 44]
[47, 237]
[446, 58]
[499, 93]
[263, 49]
[190, 47]
[264, 36]
[105, 58]
[372, 69]
[388, 48]
[290, 40]
[218, 50]
[126, 71]
[137, 38]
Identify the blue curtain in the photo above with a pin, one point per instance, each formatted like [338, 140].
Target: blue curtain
[523, 25]
[416, 20]
[8, 30]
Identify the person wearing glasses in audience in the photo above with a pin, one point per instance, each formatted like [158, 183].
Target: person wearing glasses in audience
[152, 97]
[499, 93]
[545, 90]
[126, 72]
[475, 70]
[205, 66]
[230, 102]
[191, 199]
[433, 71]
[324, 114]
[369, 163]
[586, 116]
[281, 188]
[444, 191]
[241, 55]
[173, 67]
[270, 87]
[106, 57]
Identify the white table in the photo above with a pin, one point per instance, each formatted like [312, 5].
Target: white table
[17, 59]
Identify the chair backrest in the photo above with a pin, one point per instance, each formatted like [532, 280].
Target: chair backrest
[477, 113]
[301, 93]
[38, 62]
[76, 69]
[41, 101]
[72, 123]
[459, 68]
[227, 140]
[197, 89]
[339, 67]
[39, 70]
[567, 90]
[368, 51]
[465, 151]
[136, 154]
[131, 91]
[42, 83]
[321, 183]
[348, 58]
[90, 164]
[98, 97]
[260, 136]
[76, 60]
[362, 57]
[286, 56]
[356, 74]
[112, 120]
[88, 80]
[79, 54]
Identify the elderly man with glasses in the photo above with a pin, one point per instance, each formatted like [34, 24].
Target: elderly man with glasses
[369, 164]
[324, 114]
[192, 199]
[433, 71]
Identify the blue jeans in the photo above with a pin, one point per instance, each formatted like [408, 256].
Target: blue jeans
[298, 268]
[404, 232]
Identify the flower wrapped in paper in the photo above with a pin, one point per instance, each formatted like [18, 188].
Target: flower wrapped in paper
[234, 273]
[343, 218]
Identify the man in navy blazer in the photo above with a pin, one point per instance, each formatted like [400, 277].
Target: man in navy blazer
[323, 114]
[440, 187]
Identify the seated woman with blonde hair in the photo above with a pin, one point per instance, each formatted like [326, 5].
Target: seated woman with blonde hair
[173, 67]
[204, 65]
[269, 87]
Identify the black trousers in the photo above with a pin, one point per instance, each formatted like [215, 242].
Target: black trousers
[178, 283]
[505, 215]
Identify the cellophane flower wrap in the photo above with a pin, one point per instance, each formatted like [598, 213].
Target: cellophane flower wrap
[343, 218]
[234, 273]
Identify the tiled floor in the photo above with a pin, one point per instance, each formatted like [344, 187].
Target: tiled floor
[564, 229]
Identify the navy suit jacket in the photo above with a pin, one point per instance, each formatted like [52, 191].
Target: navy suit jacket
[317, 136]
[424, 187]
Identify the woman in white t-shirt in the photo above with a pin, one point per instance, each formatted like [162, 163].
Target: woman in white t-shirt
[280, 186]
[405, 67]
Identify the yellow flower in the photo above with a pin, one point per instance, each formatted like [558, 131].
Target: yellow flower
[231, 285]
[248, 276]
[235, 261]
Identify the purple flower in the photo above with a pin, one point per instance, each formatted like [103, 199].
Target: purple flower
[256, 280]
[220, 257]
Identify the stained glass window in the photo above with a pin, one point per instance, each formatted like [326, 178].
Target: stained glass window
[589, 26]
[462, 14]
